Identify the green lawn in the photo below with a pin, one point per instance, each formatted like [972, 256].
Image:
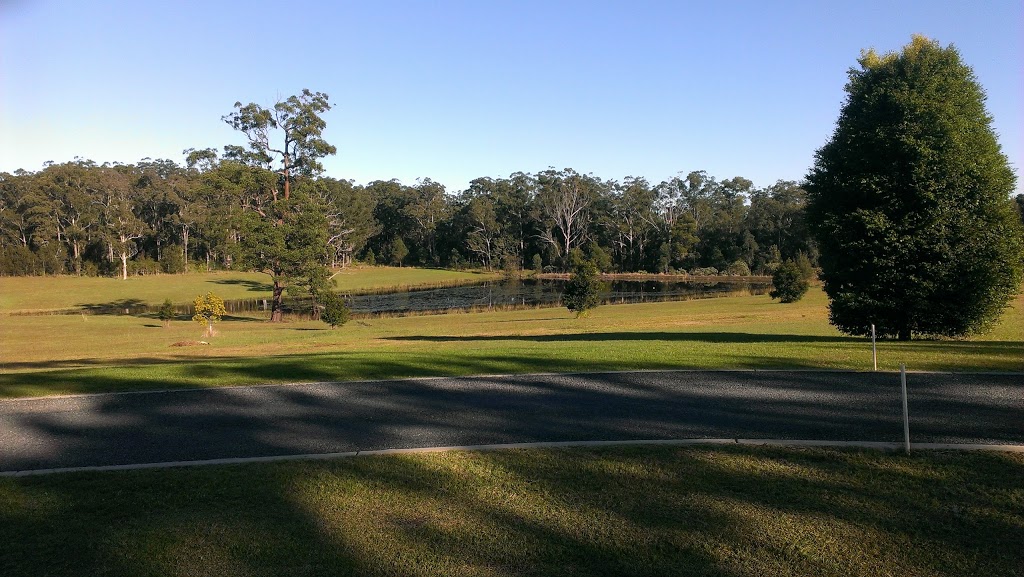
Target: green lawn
[734, 511]
[21, 294]
[68, 353]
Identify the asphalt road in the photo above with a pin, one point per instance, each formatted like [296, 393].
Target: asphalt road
[116, 429]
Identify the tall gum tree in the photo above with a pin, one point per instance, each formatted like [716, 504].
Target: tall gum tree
[910, 201]
[283, 236]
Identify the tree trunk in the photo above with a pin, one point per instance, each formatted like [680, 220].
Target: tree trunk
[184, 248]
[277, 305]
[124, 265]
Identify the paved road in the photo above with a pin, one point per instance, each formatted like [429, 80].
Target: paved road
[158, 427]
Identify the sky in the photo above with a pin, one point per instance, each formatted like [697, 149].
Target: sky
[456, 90]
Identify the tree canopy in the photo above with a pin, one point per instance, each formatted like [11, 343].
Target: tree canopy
[909, 200]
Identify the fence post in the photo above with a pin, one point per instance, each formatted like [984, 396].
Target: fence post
[906, 412]
[874, 351]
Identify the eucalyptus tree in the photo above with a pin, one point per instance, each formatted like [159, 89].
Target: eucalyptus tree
[281, 236]
[72, 189]
[290, 132]
[119, 206]
[349, 212]
[564, 199]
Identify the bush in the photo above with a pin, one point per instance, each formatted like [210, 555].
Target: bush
[789, 283]
[738, 268]
[369, 258]
[335, 309]
[538, 263]
[143, 266]
[582, 292]
[166, 312]
[704, 271]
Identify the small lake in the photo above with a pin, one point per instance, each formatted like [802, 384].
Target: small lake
[500, 294]
[514, 293]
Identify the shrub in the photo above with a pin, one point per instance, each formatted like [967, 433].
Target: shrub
[738, 268]
[582, 292]
[166, 312]
[789, 283]
[335, 310]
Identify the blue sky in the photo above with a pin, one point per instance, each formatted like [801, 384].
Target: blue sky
[454, 90]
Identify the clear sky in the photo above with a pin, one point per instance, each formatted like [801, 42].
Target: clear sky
[454, 90]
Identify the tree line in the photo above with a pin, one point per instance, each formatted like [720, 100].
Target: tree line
[86, 218]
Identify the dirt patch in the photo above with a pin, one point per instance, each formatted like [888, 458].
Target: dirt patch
[188, 343]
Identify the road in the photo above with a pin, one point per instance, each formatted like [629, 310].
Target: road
[127, 428]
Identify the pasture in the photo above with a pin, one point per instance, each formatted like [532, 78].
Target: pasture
[57, 354]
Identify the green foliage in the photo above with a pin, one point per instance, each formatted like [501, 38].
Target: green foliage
[789, 282]
[288, 241]
[600, 257]
[909, 201]
[582, 292]
[335, 310]
[538, 263]
[208, 310]
[172, 260]
[370, 258]
[166, 312]
[397, 251]
[738, 268]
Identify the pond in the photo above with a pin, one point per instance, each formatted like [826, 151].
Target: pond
[513, 293]
[502, 294]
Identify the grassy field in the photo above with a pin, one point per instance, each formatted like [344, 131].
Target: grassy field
[53, 354]
[735, 511]
[24, 294]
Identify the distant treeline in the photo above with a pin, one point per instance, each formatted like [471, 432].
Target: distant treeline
[158, 216]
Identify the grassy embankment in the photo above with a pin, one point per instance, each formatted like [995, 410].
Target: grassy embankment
[53, 354]
[737, 511]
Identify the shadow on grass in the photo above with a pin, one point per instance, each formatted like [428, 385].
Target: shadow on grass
[706, 337]
[251, 285]
[733, 511]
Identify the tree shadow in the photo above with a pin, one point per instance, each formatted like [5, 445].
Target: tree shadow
[728, 511]
[252, 285]
[708, 337]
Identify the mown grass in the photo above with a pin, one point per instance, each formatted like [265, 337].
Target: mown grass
[23, 294]
[736, 511]
[73, 354]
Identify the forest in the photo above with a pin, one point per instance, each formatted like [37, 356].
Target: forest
[156, 216]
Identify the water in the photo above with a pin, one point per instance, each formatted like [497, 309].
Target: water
[516, 294]
[502, 294]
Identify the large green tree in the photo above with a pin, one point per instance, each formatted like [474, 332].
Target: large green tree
[909, 200]
[285, 236]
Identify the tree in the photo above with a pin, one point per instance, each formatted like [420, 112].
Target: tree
[288, 241]
[582, 292]
[209, 309]
[397, 251]
[335, 310]
[287, 237]
[909, 201]
[789, 282]
[292, 130]
[166, 312]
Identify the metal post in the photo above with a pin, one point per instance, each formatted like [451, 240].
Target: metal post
[874, 351]
[906, 412]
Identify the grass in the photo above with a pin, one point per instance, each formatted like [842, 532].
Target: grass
[43, 355]
[735, 511]
[23, 294]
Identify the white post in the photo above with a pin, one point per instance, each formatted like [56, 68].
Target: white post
[874, 351]
[906, 412]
